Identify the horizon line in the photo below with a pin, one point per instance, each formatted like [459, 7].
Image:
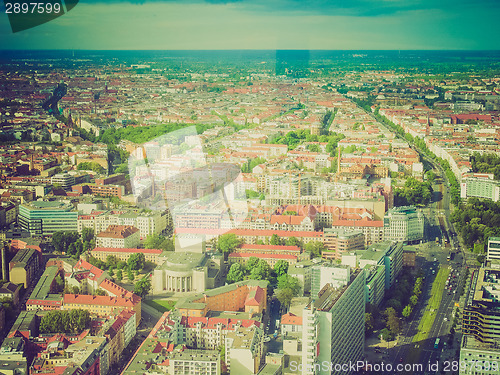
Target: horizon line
[255, 49]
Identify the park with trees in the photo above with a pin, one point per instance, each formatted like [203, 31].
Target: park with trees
[72, 243]
[476, 220]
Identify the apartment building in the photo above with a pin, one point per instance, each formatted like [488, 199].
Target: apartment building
[150, 223]
[244, 350]
[389, 255]
[150, 255]
[164, 349]
[74, 355]
[44, 295]
[325, 321]
[24, 267]
[103, 305]
[268, 249]
[101, 190]
[118, 236]
[340, 241]
[481, 185]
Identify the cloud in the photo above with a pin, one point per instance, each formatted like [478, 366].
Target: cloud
[353, 8]
[245, 24]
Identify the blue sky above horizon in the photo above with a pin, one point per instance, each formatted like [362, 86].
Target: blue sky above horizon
[261, 24]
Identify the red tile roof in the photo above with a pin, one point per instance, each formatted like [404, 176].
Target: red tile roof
[290, 318]
[99, 300]
[118, 231]
[251, 232]
[358, 223]
[262, 256]
[255, 297]
[124, 250]
[269, 247]
[84, 265]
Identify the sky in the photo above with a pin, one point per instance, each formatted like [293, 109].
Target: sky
[265, 24]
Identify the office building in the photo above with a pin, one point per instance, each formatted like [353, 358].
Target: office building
[404, 224]
[45, 218]
[484, 356]
[375, 284]
[480, 316]
[64, 180]
[493, 249]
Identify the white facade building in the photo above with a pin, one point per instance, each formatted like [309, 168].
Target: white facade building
[333, 329]
[404, 224]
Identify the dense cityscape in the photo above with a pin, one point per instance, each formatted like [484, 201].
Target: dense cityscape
[249, 212]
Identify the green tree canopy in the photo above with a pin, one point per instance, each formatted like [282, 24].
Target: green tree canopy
[153, 241]
[87, 234]
[261, 271]
[251, 263]
[316, 248]
[369, 323]
[281, 267]
[236, 273]
[72, 321]
[228, 242]
[91, 166]
[285, 297]
[143, 286]
[111, 261]
[136, 261]
[275, 240]
[407, 311]
[286, 281]
[62, 240]
[293, 241]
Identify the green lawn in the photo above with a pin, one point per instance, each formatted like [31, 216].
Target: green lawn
[160, 304]
[433, 305]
